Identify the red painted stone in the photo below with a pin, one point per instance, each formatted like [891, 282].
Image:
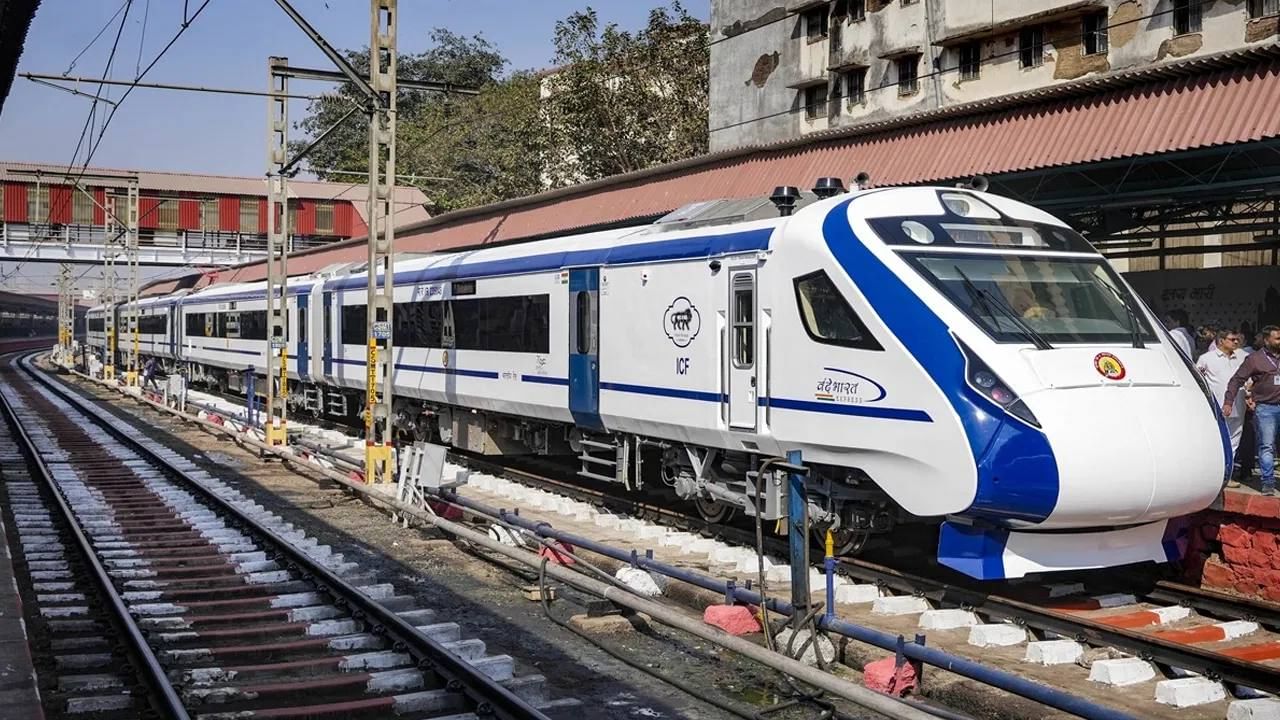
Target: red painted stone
[1234, 501]
[556, 553]
[1259, 559]
[733, 619]
[1262, 506]
[1235, 536]
[885, 676]
[445, 510]
[1245, 587]
[1265, 541]
[1217, 575]
[1235, 555]
[1272, 592]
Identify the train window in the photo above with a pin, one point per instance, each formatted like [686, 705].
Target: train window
[1014, 298]
[302, 324]
[584, 322]
[354, 322]
[827, 316]
[96, 324]
[743, 320]
[153, 325]
[195, 324]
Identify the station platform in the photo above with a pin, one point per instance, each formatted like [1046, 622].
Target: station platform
[19, 693]
[1233, 545]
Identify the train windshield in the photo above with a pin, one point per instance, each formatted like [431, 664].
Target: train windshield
[1055, 299]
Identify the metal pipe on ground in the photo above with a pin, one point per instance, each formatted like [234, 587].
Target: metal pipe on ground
[987, 675]
[869, 699]
[931, 656]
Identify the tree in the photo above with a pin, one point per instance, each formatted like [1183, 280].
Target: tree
[624, 101]
[619, 102]
[480, 144]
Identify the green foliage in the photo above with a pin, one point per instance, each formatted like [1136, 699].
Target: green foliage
[620, 101]
[624, 101]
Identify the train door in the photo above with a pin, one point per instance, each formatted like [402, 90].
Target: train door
[328, 334]
[742, 346]
[304, 351]
[173, 331]
[584, 347]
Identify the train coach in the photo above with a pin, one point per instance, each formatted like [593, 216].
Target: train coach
[933, 354]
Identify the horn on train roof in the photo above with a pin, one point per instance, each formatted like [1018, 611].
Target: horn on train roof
[825, 187]
[784, 198]
[862, 180]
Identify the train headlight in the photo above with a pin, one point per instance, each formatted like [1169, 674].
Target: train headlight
[985, 381]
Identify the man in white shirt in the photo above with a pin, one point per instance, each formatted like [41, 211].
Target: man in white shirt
[1217, 366]
[1175, 321]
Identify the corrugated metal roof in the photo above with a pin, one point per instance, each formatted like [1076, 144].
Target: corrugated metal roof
[1132, 114]
[409, 199]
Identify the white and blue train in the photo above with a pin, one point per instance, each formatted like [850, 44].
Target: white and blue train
[938, 354]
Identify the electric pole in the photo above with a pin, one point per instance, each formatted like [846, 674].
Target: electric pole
[277, 365]
[379, 428]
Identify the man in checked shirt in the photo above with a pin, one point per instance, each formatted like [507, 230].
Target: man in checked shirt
[1263, 368]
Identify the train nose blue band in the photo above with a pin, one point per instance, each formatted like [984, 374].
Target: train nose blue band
[1017, 472]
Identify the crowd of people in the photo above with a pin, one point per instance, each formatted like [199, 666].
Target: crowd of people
[1242, 369]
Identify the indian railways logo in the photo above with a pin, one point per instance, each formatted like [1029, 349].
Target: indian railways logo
[682, 322]
[1109, 366]
[850, 388]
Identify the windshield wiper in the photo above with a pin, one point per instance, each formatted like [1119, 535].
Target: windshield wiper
[1135, 331]
[989, 300]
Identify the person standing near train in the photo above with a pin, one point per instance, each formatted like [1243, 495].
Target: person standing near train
[1218, 364]
[1263, 368]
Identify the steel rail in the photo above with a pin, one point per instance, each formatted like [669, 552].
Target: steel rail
[164, 696]
[488, 696]
[1187, 657]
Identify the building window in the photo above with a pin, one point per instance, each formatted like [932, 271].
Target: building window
[38, 210]
[1031, 47]
[970, 60]
[908, 83]
[324, 217]
[166, 214]
[249, 215]
[815, 101]
[815, 23]
[857, 10]
[1186, 16]
[1094, 34]
[1263, 8]
[855, 85]
[82, 207]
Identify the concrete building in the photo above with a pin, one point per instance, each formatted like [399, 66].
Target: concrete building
[782, 70]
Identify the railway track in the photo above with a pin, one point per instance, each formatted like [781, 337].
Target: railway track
[1179, 631]
[1182, 631]
[163, 592]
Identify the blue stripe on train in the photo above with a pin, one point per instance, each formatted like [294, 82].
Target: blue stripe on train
[1017, 474]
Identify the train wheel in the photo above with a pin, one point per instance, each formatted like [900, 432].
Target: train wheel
[714, 511]
[846, 542]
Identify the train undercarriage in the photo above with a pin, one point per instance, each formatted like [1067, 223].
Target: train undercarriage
[719, 484]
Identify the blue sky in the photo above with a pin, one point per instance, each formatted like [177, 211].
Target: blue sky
[228, 47]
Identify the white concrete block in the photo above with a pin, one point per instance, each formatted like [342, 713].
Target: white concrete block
[1120, 672]
[856, 594]
[1172, 614]
[652, 532]
[1053, 652]
[751, 566]
[1115, 600]
[639, 581]
[899, 605]
[605, 520]
[997, 635]
[701, 546]
[948, 619]
[1189, 692]
[1238, 628]
[1064, 589]
[1256, 709]
[677, 539]
[730, 555]
[778, 574]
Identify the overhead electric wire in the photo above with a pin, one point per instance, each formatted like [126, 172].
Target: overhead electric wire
[91, 43]
[94, 145]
